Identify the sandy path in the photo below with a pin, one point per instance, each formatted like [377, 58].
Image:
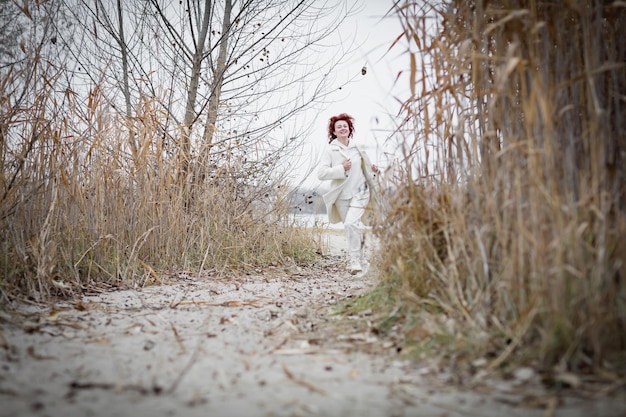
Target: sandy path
[245, 346]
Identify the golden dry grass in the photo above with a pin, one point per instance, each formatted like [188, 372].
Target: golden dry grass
[78, 208]
[509, 211]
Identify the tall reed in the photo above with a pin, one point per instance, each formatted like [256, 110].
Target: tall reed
[79, 208]
[513, 185]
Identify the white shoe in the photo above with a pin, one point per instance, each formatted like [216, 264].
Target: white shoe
[354, 268]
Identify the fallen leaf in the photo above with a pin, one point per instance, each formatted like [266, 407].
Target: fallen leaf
[134, 328]
[69, 324]
[229, 303]
[61, 284]
[568, 378]
[539, 401]
[296, 351]
[524, 374]
[53, 316]
[80, 306]
[101, 341]
[31, 352]
[4, 343]
[551, 407]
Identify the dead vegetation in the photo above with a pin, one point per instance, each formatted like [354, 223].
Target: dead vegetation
[77, 209]
[505, 241]
[504, 246]
[135, 140]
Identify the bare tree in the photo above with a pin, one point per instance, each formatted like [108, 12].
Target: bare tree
[226, 76]
[121, 40]
[244, 67]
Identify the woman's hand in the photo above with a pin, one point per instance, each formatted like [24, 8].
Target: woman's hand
[347, 164]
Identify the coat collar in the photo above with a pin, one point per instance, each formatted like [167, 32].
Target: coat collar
[338, 146]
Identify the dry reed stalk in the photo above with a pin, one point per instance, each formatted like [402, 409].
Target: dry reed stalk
[79, 207]
[515, 135]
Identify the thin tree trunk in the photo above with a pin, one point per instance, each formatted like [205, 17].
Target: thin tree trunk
[125, 86]
[194, 82]
[218, 79]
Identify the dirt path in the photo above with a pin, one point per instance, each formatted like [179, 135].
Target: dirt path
[259, 345]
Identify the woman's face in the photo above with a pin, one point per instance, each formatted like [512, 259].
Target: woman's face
[342, 129]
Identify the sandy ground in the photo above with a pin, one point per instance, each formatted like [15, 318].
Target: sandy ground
[237, 346]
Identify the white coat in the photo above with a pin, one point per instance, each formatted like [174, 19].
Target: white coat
[331, 168]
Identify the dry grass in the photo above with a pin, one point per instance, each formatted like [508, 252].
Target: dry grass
[513, 187]
[79, 209]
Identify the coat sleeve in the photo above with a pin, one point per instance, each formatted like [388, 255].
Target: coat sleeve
[327, 171]
[369, 173]
[375, 210]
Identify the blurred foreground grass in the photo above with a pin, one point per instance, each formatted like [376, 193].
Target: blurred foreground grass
[504, 239]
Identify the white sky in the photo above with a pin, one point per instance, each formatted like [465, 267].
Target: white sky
[369, 98]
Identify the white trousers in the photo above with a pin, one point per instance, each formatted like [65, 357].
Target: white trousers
[351, 211]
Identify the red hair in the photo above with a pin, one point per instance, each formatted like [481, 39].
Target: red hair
[331, 125]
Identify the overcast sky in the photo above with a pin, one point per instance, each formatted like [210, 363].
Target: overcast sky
[368, 98]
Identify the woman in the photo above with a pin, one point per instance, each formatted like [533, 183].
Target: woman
[352, 178]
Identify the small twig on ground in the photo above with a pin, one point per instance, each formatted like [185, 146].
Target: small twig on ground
[183, 372]
[192, 360]
[4, 343]
[175, 304]
[302, 382]
[178, 339]
[110, 386]
[230, 303]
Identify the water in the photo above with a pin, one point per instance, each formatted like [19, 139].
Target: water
[319, 221]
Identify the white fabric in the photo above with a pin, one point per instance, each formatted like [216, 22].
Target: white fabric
[349, 193]
[351, 211]
[356, 178]
[331, 168]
